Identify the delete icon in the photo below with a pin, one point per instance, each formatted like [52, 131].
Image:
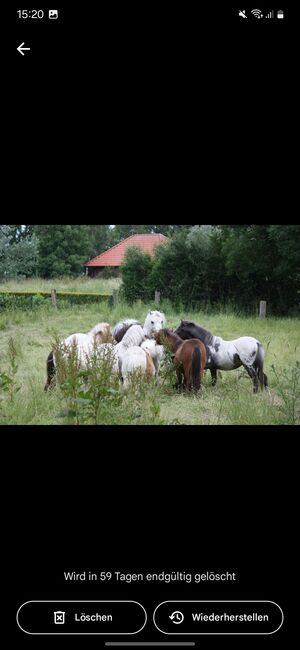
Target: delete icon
[53, 14]
[59, 618]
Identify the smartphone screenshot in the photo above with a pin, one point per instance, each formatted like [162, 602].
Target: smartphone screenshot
[150, 518]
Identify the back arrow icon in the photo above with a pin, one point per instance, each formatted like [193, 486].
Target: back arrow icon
[21, 48]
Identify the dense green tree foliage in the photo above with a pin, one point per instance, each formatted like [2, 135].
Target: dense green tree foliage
[63, 249]
[221, 265]
[136, 272]
[101, 238]
[19, 233]
[18, 252]
[122, 231]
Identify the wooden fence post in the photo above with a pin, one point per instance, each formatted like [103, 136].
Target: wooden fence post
[157, 297]
[262, 309]
[54, 298]
[115, 297]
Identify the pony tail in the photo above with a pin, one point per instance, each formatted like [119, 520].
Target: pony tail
[50, 370]
[260, 364]
[196, 368]
[150, 367]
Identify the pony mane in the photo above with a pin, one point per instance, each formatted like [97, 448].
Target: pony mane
[205, 335]
[123, 324]
[134, 336]
[168, 334]
[100, 328]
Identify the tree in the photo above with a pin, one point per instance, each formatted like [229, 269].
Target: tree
[18, 255]
[122, 231]
[136, 271]
[171, 273]
[21, 232]
[286, 268]
[63, 249]
[100, 237]
[240, 265]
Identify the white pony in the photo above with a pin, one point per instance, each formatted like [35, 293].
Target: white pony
[132, 338]
[156, 351]
[136, 359]
[84, 346]
[155, 320]
[109, 351]
[129, 354]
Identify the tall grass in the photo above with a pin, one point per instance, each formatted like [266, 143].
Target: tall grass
[231, 401]
[79, 284]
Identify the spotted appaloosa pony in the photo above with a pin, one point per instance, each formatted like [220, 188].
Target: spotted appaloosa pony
[154, 321]
[190, 358]
[227, 355]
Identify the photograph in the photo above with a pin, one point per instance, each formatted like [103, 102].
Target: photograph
[149, 324]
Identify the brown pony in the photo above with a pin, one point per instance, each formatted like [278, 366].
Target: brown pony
[190, 358]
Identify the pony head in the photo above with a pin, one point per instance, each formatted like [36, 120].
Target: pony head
[102, 333]
[186, 329]
[162, 337]
[154, 322]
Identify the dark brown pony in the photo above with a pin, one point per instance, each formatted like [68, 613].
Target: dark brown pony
[190, 358]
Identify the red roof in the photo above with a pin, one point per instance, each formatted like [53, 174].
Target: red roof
[114, 256]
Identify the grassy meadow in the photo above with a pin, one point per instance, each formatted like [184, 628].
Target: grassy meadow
[81, 284]
[25, 341]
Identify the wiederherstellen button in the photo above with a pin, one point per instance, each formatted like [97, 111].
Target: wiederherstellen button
[218, 617]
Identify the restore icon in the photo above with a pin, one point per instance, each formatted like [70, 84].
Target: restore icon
[177, 617]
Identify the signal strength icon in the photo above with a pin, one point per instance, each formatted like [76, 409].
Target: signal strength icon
[270, 14]
[257, 13]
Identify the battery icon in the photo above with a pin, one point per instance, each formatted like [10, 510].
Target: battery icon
[280, 14]
[59, 618]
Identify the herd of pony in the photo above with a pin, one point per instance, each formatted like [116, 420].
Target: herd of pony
[135, 347]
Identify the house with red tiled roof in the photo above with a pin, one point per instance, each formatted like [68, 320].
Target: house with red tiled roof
[114, 256]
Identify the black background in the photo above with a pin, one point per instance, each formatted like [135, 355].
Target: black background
[152, 108]
[174, 114]
[142, 499]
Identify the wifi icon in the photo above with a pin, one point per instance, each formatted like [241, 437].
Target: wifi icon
[257, 13]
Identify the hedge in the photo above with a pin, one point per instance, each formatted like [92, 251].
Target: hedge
[33, 299]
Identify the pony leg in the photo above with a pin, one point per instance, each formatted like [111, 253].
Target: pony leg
[253, 374]
[179, 383]
[259, 367]
[213, 372]
[266, 383]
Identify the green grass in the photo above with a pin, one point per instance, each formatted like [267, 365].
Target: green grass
[230, 402]
[82, 284]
